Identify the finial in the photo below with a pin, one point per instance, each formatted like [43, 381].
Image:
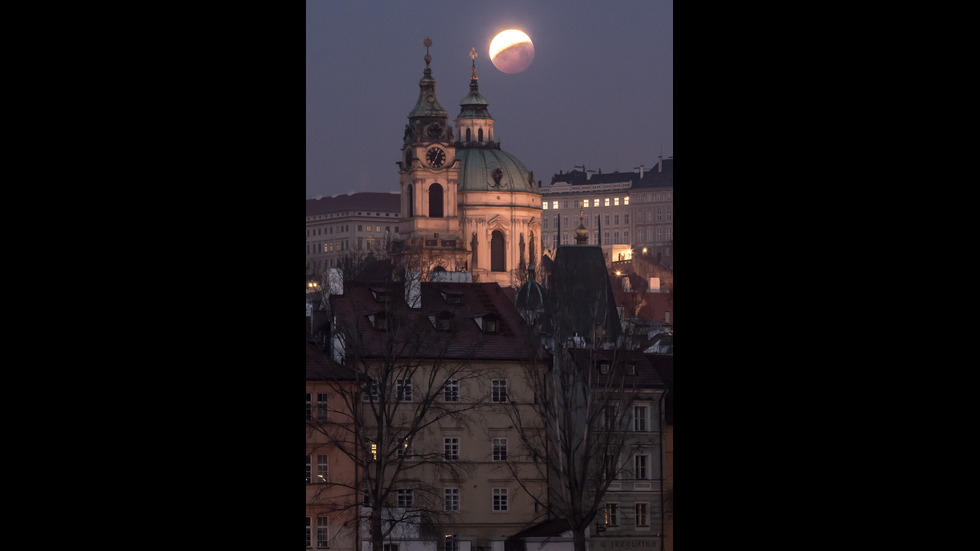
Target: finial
[473, 57]
[427, 42]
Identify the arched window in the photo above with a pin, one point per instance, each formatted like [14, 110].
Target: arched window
[498, 258]
[411, 200]
[481, 134]
[468, 134]
[435, 201]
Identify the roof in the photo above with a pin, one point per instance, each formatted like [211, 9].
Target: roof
[468, 305]
[320, 366]
[477, 166]
[652, 176]
[364, 201]
[579, 280]
[665, 367]
[646, 375]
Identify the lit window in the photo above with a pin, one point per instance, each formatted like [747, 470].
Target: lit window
[452, 499]
[498, 390]
[626, 200]
[500, 449]
[612, 516]
[554, 204]
[585, 203]
[322, 469]
[544, 204]
[450, 447]
[321, 532]
[616, 201]
[606, 203]
[406, 498]
[500, 499]
[595, 202]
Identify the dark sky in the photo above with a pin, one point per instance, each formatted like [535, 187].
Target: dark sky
[599, 92]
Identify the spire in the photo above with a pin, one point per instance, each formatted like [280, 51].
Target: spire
[427, 104]
[581, 234]
[473, 106]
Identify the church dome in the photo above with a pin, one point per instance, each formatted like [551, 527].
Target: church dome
[493, 170]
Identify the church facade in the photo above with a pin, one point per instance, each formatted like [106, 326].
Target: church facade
[466, 205]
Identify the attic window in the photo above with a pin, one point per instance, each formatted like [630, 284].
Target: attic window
[452, 297]
[381, 294]
[442, 321]
[631, 368]
[604, 368]
[379, 321]
[489, 323]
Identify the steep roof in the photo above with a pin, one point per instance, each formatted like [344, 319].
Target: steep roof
[468, 307]
[320, 366]
[581, 295]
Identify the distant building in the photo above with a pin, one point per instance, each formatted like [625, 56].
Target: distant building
[626, 213]
[355, 223]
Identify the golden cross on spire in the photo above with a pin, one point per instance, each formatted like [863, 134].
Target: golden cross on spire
[473, 57]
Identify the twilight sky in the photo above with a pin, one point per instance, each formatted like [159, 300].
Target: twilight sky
[599, 91]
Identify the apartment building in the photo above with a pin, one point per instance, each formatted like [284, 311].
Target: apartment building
[356, 223]
[625, 213]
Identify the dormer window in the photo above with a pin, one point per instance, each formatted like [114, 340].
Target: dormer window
[489, 323]
[604, 367]
[381, 294]
[452, 297]
[631, 368]
[379, 320]
[442, 321]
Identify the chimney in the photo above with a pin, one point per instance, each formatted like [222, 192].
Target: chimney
[660, 163]
[641, 171]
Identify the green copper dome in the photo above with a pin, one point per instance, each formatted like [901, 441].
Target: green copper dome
[479, 171]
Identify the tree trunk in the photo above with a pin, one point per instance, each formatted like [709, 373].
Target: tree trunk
[377, 543]
[579, 537]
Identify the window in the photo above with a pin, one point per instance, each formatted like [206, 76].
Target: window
[452, 499]
[500, 449]
[370, 391]
[322, 469]
[631, 368]
[607, 219]
[451, 543]
[612, 514]
[498, 259]
[308, 535]
[450, 391]
[595, 202]
[321, 532]
[640, 467]
[403, 389]
[489, 324]
[321, 406]
[606, 203]
[450, 448]
[626, 200]
[616, 219]
[435, 201]
[640, 418]
[500, 499]
[406, 498]
[544, 204]
[554, 204]
[309, 407]
[642, 516]
[309, 470]
[616, 201]
[380, 321]
[498, 390]
[405, 450]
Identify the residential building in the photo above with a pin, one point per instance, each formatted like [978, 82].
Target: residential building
[443, 362]
[627, 214]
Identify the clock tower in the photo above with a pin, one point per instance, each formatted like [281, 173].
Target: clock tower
[429, 177]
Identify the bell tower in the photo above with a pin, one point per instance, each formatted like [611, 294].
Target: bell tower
[429, 177]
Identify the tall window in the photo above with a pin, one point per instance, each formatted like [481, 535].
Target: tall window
[450, 392]
[606, 204]
[500, 499]
[452, 543]
[640, 467]
[403, 387]
[642, 515]
[309, 406]
[411, 200]
[435, 201]
[450, 447]
[479, 134]
[612, 514]
[308, 533]
[500, 449]
[498, 258]
[309, 470]
[640, 418]
[321, 406]
[321, 532]
[498, 390]
[322, 468]
[370, 393]
[452, 499]
[406, 498]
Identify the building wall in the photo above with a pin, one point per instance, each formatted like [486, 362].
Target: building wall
[332, 232]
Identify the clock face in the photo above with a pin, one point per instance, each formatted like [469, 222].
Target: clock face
[436, 157]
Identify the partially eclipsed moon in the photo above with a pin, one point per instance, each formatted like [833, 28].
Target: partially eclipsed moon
[511, 51]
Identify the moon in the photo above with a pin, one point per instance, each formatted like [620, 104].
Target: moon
[511, 51]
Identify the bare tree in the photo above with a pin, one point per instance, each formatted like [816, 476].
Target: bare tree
[577, 437]
[395, 394]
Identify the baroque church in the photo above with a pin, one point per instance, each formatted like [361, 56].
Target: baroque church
[466, 205]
